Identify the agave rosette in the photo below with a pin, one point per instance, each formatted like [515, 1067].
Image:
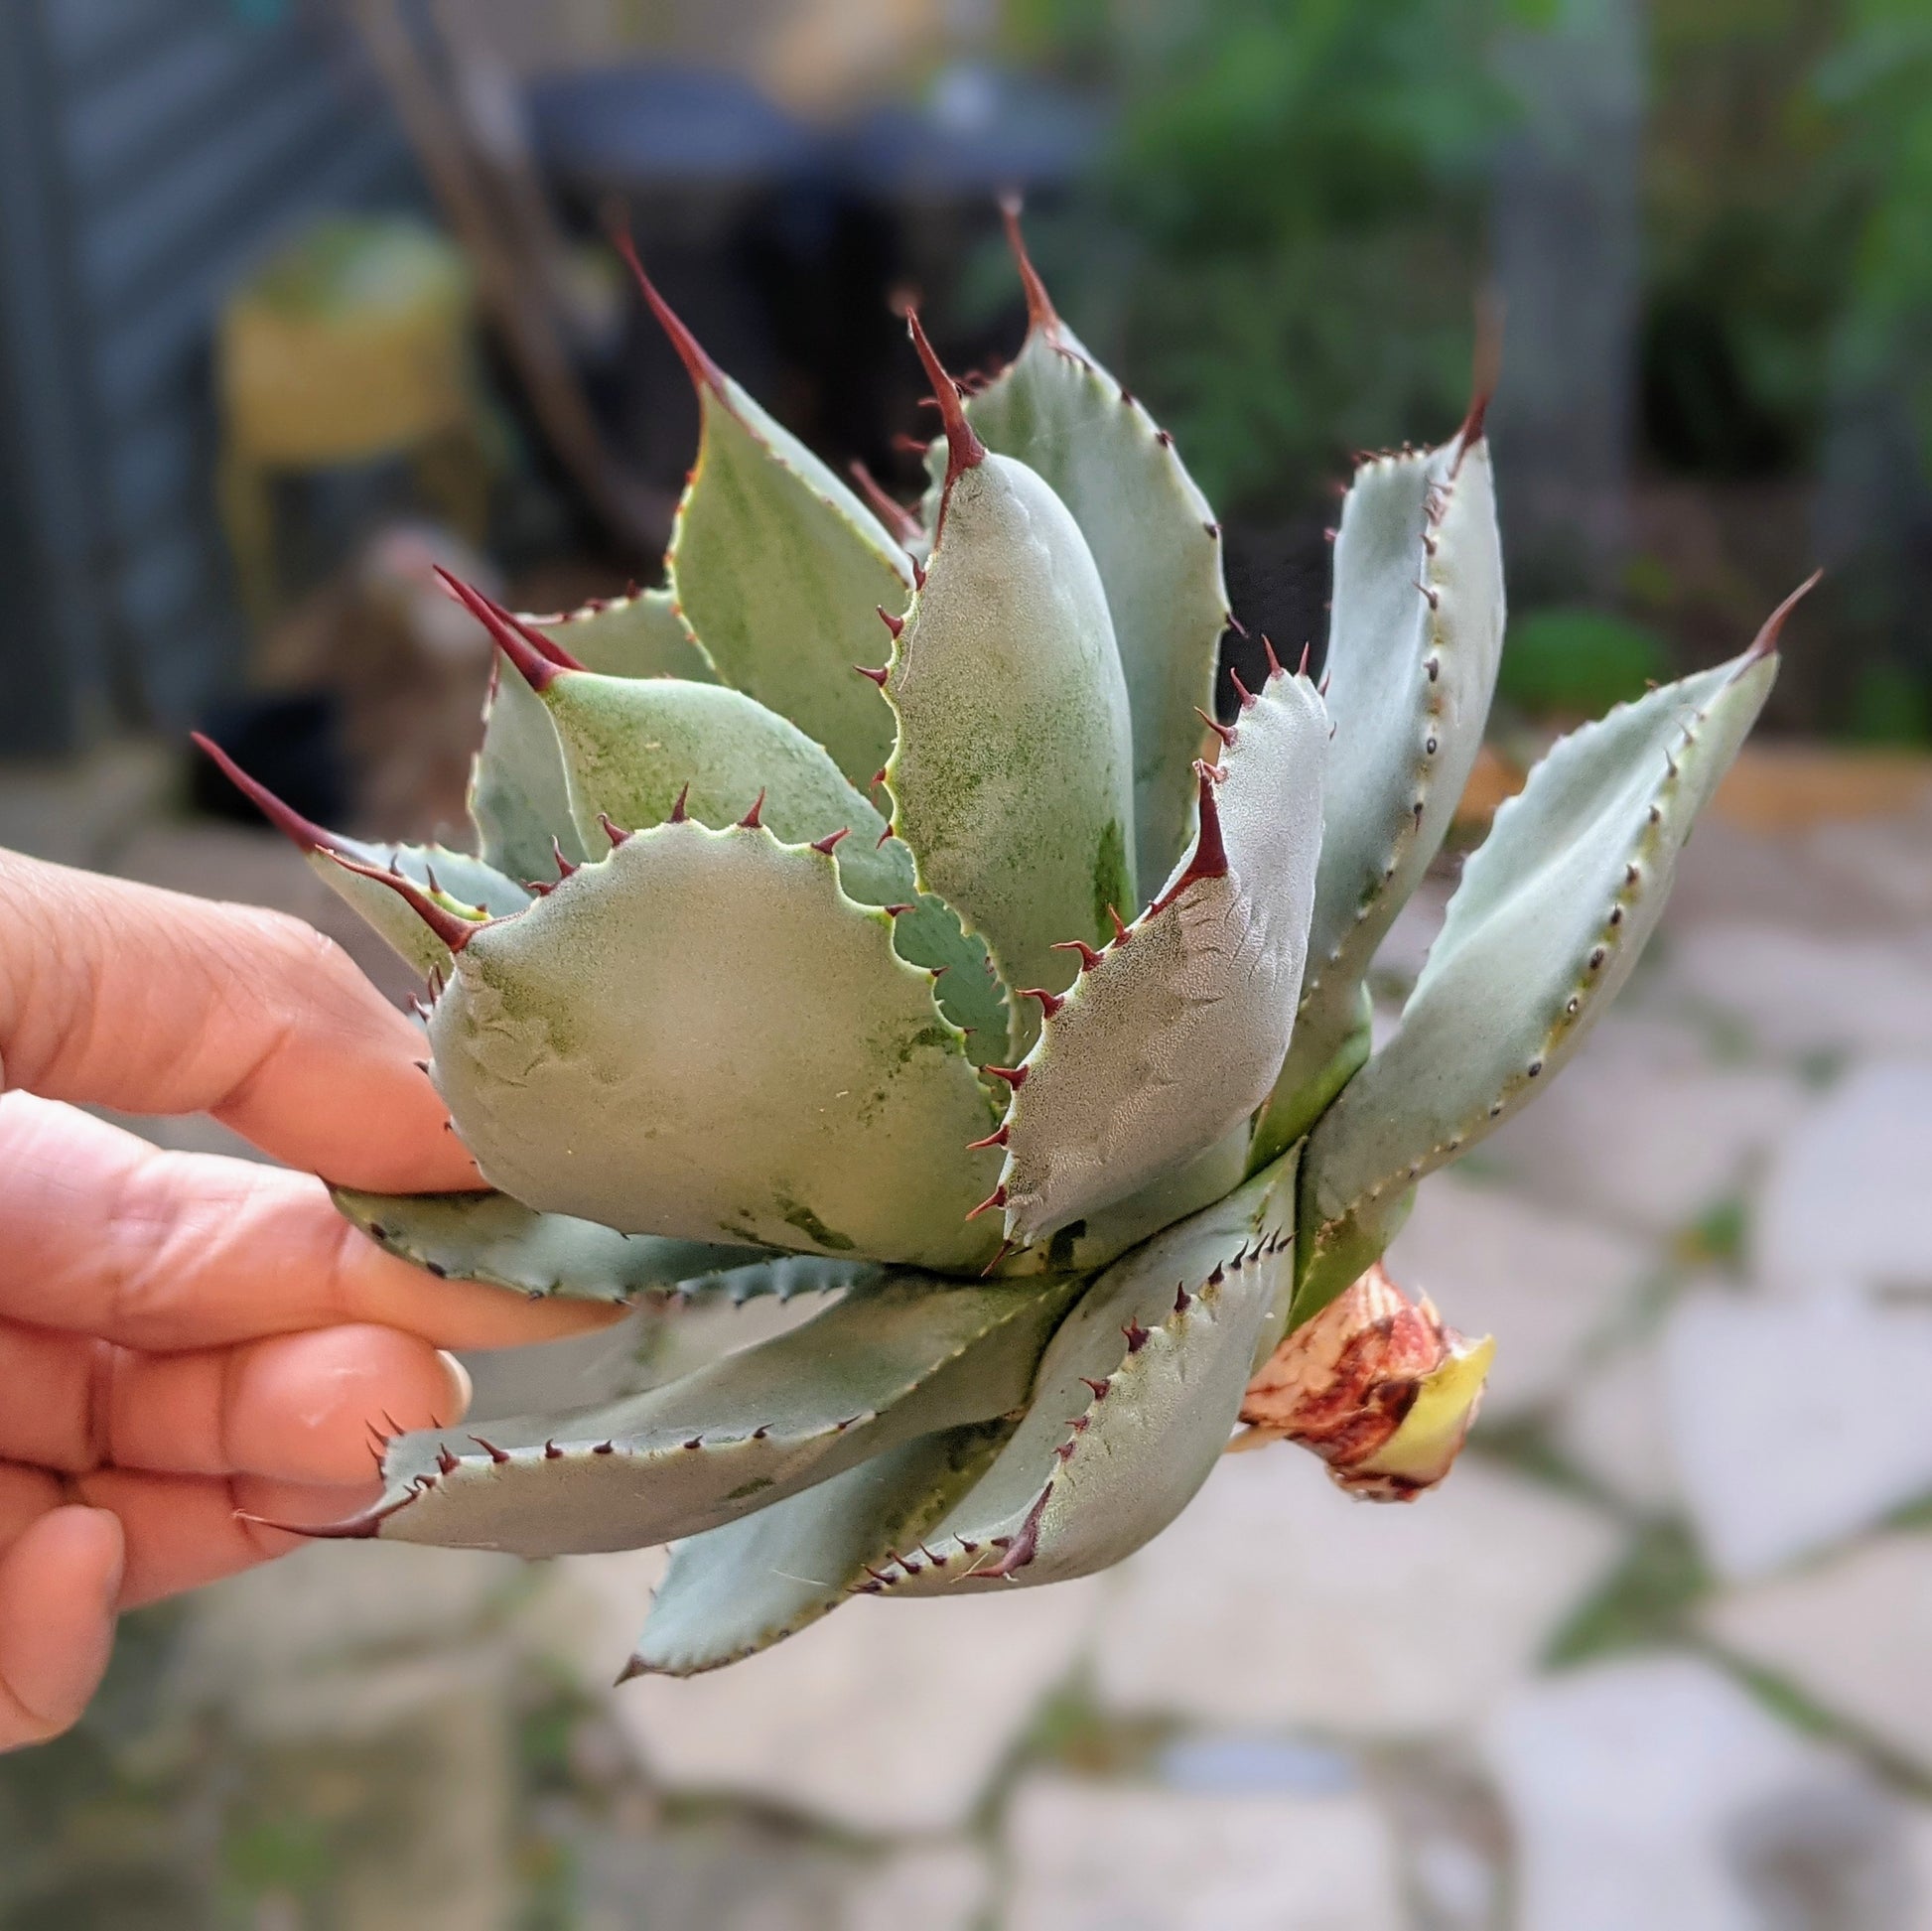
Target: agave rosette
[995, 992]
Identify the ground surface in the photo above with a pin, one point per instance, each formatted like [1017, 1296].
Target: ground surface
[1656, 1657]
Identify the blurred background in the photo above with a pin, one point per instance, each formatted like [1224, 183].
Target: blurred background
[299, 296]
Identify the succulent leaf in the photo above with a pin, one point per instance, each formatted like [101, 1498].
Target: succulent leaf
[778, 568]
[737, 1589]
[1012, 777]
[1551, 916]
[1293, 1109]
[1136, 1398]
[463, 885]
[1104, 1235]
[637, 749]
[643, 634]
[614, 1054]
[1154, 542]
[1414, 643]
[490, 1238]
[890, 1362]
[1174, 1034]
[518, 797]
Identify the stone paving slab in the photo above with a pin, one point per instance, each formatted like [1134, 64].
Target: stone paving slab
[1643, 1131]
[1279, 1602]
[1849, 1633]
[1655, 1792]
[1089, 1856]
[1843, 1205]
[1794, 1427]
[887, 1716]
[1799, 992]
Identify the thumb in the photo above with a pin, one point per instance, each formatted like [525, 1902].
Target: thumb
[57, 1588]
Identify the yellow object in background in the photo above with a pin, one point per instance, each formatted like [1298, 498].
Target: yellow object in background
[352, 344]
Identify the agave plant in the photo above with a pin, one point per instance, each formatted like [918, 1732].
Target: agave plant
[966, 992]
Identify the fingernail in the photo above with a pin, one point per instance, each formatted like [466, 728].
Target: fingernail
[462, 1388]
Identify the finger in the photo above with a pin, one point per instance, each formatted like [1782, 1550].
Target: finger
[58, 1589]
[185, 1531]
[304, 1408]
[123, 996]
[103, 1234]
[25, 1494]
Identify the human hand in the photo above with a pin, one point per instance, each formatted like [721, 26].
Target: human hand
[185, 1339]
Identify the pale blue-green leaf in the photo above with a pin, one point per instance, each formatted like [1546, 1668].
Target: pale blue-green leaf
[890, 1362]
[1169, 1332]
[1173, 1038]
[1012, 777]
[732, 1592]
[1413, 648]
[1155, 544]
[1551, 916]
[779, 570]
[492, 1237]
[702, 1036]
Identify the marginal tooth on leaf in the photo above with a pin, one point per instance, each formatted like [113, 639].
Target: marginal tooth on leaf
[446, 1462]
[896, 911]
[1302, 669]
[1089, 958]
[1766, 639]
[1040, 314]
[830, 839]
[703, 371]
[964, 450]
[613, 832]
[497, 1454]
[1000, 1253]
[865, 670]
[566, 867]
[1485, 371]
[1015, 1076]
[1099, 1387]
[1183, 1299]
[878, 779]
[1274, 663]
[1246, 695]
[551, 1451]
[455, 933]
[893, 624]
[1224, 732]
[918, 574]
[1235, 625]
[891, 831]
[1121, 934]
[754, 818]
[289, 822]
[679, 812]
[1209, 857]
[888, 510]
[996, 1199]
[996, 1138]
[1136, 1337]
[1049, 1002]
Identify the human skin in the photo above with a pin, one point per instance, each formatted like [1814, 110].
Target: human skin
[188, 1341]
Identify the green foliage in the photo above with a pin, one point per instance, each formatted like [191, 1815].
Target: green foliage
[1577, 663]
[1304, 187]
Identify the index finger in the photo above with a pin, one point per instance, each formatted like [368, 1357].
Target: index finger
[145, 1001]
